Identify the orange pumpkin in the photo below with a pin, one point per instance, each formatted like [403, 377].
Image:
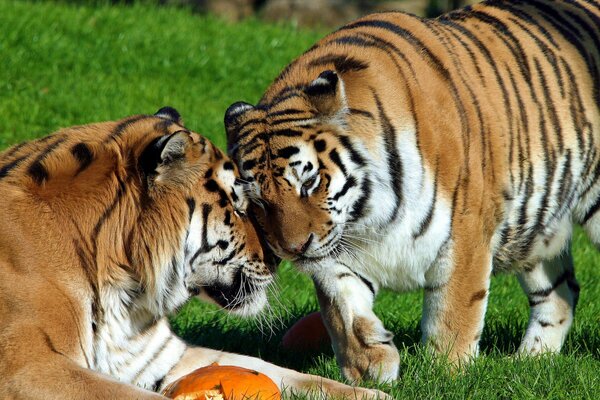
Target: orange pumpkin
[223, 382]
[308, 334]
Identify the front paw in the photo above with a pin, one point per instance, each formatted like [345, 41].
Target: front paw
[370, 353]
[380, 363]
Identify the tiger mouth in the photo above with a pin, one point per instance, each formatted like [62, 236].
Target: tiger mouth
[245, 295]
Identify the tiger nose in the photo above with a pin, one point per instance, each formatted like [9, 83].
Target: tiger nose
[301, 248]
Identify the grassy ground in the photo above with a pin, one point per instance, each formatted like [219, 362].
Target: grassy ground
[64, 65]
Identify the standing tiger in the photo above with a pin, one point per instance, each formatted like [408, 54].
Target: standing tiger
[104, 230]
[407, 153]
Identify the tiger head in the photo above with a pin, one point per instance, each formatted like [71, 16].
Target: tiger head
[223, 259]
[306, 177]
[164, 212]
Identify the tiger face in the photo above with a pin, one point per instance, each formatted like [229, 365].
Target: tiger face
[306, 177]
[222, 248]
[223, 258]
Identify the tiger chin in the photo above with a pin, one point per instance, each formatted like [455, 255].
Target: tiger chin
[409, 153]
[107, 228]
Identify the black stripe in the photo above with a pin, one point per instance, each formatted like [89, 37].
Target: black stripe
[350, 183]
[549, 105]
[152, 359]
[287, 152]
[566, 275]
[90, 269]
[286, 112]
[240, 128]
[248, 165]
[342, 63]
[367, 283]
[291, 132]
[38, 172]
[577, 111]
[36, 169]
[191, 203]
[359, 207]
[285, 94]
[565, 191]
[335, 158]
[354, 155]
[362, 113]
[591, 211]
[248, 149]
[174, 274]
[204, 246]
[549, 161]
[393, 158]
[523, 127]
[354, 274]
[230, 256]
[106, 214]
[424, 225]
[123, 125]
[83, 155]
[158, 384]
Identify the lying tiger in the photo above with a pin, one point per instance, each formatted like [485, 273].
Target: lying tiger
[106, 229]
[409, 153]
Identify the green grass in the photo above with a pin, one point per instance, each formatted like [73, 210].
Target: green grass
[63, 65]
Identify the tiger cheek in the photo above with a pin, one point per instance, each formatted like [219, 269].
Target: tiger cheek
[321, 223]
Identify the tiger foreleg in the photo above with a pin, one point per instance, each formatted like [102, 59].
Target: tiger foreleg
[454, 310]
[288, 380]
[362, 345]
[552, 292]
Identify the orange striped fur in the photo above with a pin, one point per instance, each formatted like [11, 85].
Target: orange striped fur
[404, 152]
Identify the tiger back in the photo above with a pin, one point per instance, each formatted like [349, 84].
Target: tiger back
[404, 152]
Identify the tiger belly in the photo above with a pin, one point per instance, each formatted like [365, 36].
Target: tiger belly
[541, 209]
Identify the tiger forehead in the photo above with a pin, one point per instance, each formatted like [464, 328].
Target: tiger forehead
[290, 119]
[223, 178]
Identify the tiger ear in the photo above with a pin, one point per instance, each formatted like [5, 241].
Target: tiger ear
[233, 115]
[169, 113]
[166, 151]
[176, 147]
[327, 95]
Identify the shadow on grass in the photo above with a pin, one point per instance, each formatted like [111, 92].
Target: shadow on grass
[201, 325]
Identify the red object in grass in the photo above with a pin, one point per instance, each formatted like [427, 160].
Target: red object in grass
[308, 334]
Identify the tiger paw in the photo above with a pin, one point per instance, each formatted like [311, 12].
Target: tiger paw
[369, 352]
[380, 363]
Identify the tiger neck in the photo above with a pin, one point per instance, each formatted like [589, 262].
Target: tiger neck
[131, 344]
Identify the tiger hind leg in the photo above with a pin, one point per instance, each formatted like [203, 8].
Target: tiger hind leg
[553, 293]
